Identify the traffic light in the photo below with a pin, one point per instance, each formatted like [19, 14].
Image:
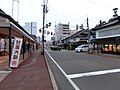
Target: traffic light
[46, 25]
[40, 30]
[49, 24]
[51, 33]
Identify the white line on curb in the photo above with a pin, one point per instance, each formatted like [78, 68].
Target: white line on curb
[55, 87]
[72, 83]
[5, 72]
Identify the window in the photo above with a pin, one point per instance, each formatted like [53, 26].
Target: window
[109, 32]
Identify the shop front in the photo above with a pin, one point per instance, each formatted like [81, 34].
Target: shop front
[10, 30]
[107, 37]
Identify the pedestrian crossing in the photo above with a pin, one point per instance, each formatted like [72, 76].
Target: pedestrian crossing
[94, 73]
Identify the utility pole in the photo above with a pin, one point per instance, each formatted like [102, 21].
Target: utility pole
[88, 35]
[43, 29]
[45, 10]
[87, 24]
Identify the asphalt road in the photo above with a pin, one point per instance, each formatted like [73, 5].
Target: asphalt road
[82, 71]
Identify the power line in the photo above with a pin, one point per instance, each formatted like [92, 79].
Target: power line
[98, 4]
[64, 17]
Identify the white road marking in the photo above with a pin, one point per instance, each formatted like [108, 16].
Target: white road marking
[94, 73]
[48, 50]
[72, 83]
[5, 71]
[3, 74]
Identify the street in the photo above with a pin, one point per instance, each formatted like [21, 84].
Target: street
[82, 71]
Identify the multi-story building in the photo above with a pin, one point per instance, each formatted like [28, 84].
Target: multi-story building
[31, 27]
[61, 31]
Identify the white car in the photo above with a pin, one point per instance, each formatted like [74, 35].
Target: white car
[82, 48]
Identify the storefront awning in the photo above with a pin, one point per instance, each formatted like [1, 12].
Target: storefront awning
[7, 22]
[111, 40]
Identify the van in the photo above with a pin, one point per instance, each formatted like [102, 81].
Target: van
[82, 48]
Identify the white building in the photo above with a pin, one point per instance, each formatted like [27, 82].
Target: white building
[31, 27]
[61, 31]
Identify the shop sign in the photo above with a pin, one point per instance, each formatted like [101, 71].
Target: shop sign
[16, 52]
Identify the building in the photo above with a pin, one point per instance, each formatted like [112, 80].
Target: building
[61, 31]
[38, 39]
[108, 36]
[31, 27]
[76, 39]
[14, 37]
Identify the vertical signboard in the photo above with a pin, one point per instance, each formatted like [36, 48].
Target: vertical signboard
[16, 52]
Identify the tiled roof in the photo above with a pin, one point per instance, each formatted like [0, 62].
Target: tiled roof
[3, 14]
[111, 22]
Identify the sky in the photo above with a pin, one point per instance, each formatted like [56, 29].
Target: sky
[63, 11]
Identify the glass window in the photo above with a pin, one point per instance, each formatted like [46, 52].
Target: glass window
[118, 48]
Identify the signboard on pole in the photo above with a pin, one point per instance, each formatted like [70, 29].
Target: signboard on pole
[16, 52]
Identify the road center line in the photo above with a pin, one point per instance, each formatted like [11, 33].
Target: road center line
[94, 73]
[72, 83]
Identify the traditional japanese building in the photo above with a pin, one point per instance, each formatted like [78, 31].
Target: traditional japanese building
[108, 36]
[9, 31]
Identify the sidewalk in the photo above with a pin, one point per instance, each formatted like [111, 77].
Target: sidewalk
[32, 74]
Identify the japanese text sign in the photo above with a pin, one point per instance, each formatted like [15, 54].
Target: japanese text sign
[16, 52]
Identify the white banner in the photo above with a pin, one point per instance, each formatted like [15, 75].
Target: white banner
[16, 52]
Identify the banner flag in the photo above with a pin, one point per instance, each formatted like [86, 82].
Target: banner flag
[14, 62]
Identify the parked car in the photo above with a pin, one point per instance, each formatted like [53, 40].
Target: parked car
[82, 48]
[55, 48]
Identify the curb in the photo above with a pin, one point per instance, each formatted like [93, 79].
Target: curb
[107, 55]
[54, 84]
